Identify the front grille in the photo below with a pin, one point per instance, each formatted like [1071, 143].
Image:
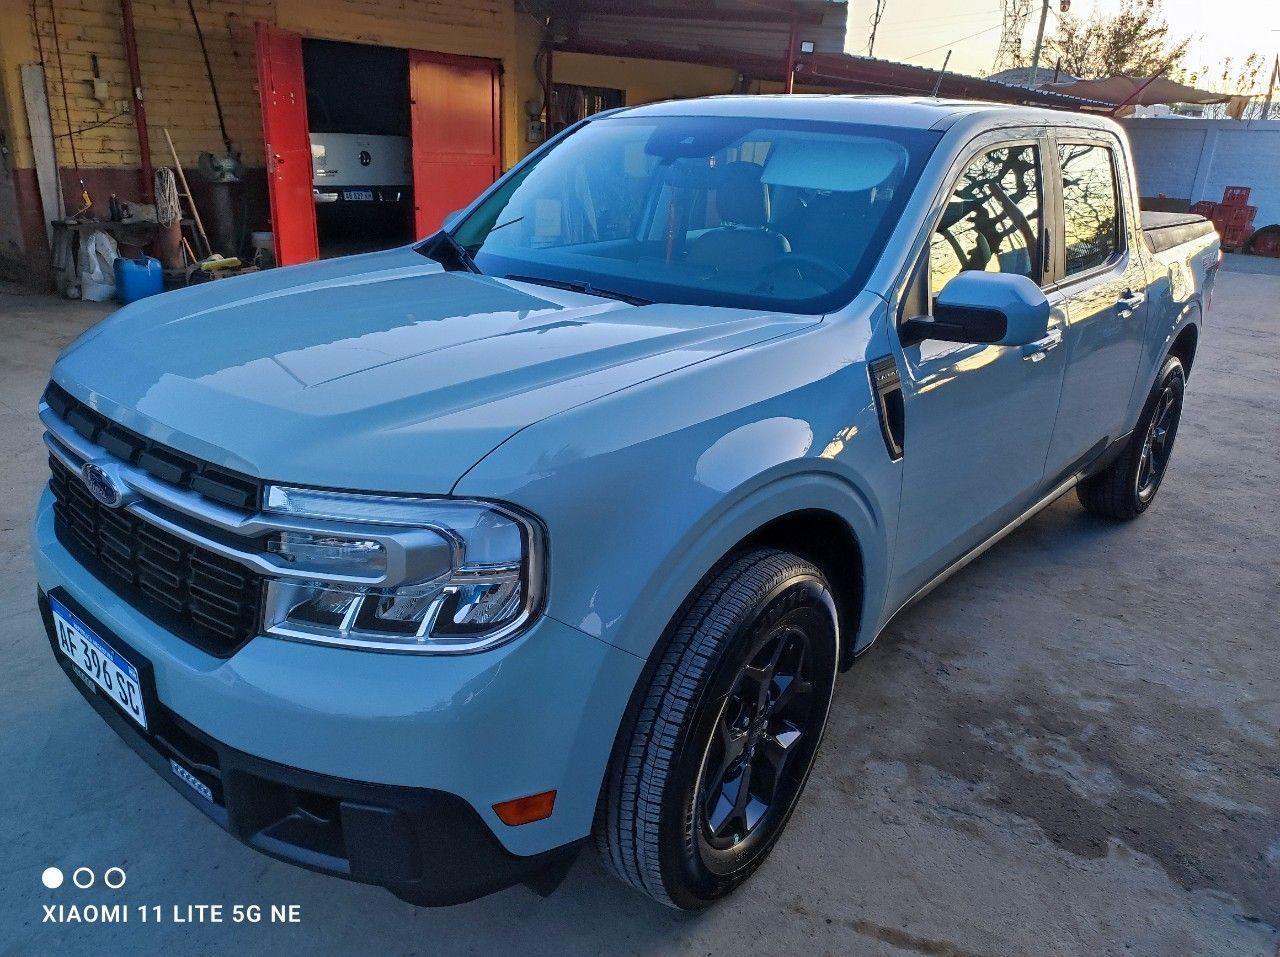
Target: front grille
[161, 462]
[210, 601]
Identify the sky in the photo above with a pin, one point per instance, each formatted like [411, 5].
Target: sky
[921, 31]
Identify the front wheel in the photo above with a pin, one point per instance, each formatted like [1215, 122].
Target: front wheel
[714, 759]
[1127, 487]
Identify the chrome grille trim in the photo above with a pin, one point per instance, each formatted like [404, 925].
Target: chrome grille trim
[239, 536]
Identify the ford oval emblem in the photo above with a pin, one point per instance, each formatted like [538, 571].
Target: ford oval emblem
[102, 486]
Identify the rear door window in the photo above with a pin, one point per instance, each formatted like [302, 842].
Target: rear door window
[1090, 215]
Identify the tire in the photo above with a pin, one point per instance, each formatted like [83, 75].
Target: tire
[1127, 487]
[745, 681]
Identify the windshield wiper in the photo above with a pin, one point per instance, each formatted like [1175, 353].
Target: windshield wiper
[584, 287]
[449, 253]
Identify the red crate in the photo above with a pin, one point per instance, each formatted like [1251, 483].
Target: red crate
[1236, 236]
[1242, 215]
[1236, 196]
[1204, 208]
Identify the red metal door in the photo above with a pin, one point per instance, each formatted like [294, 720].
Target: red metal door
[284, 125]
[457, 143]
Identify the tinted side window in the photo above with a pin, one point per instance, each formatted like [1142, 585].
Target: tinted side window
[1088, 205]
[992, 220]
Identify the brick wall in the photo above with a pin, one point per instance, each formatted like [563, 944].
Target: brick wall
[176, 89]
[177, 93]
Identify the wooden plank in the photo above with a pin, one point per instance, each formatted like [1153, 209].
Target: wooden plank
[35, 96]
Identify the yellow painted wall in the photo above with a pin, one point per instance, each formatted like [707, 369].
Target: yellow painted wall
[176, 91]
[17, 46]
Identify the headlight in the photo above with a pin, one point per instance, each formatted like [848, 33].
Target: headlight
[471, 572]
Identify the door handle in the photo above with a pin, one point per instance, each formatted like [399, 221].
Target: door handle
[1130, 301]
[1035, 351]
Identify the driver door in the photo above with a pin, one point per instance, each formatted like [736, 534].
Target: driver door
[979, 417]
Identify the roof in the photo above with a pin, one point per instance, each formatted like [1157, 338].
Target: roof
[910, 112]
[1143, 90]
[843, 71]
[754, 28]
[1021, 76]
[861, 74]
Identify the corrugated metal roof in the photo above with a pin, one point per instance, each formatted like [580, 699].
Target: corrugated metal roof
[756, 27]
[872, 75]
[753, 37]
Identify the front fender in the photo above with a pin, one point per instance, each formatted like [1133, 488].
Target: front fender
[749, 509]
[644, 491]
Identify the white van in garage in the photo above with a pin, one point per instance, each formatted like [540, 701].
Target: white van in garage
[360, 168]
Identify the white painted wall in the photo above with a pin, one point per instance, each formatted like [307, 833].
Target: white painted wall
[1196, 159]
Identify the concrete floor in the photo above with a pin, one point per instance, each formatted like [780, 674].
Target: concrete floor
[1069, 748]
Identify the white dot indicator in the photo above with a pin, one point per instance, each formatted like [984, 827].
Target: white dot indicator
[52, 878]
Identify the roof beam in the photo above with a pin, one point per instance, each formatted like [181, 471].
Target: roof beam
[762, 12]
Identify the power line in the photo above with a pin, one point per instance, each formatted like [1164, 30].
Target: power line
[914, 25]
[953, 42]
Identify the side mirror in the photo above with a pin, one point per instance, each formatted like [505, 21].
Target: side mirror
[451, 220]
[992, 307]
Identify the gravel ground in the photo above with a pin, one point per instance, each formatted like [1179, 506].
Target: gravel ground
[1069, 748]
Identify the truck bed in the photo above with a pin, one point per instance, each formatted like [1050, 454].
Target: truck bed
[1165, 230]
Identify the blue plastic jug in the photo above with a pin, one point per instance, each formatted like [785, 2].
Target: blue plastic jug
[138, 278]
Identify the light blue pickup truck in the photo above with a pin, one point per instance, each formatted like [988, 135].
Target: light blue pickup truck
[424, 568]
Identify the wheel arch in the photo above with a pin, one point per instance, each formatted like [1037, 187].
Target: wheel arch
[824, 515]
[818, 533]
[825, 539]
[1184, 345]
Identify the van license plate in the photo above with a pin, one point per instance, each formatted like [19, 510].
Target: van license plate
[99, 662]
[360, 195]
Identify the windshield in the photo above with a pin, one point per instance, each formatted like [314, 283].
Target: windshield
[758, 213]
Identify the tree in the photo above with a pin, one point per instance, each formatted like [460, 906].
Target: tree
[1136, 41]
[1227, 77]
[1245, 79]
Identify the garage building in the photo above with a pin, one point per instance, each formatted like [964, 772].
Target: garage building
[359, 124]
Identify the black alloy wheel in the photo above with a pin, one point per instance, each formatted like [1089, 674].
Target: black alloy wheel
[1157, 444]
[1126, 488]
[748, 775]
[720, 739]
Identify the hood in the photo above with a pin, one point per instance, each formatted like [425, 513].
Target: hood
[379, 372]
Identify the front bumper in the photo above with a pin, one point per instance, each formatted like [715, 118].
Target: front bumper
[377, 767]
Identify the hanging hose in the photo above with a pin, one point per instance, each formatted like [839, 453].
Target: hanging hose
[213, 87]
[168, 209]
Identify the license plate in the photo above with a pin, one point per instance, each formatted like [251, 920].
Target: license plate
[99, 662]
[366, 195]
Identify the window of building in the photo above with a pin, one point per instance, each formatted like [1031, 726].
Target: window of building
[1089, 205]
[571, 103]
[992, 221]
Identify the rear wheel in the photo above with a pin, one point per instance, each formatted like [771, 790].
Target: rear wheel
[1127, 487]
[715, 757]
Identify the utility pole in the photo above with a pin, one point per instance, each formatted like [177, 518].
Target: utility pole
[876, 14]
[1035, 57]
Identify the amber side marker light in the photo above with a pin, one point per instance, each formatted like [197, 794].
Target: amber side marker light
[526, 810]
